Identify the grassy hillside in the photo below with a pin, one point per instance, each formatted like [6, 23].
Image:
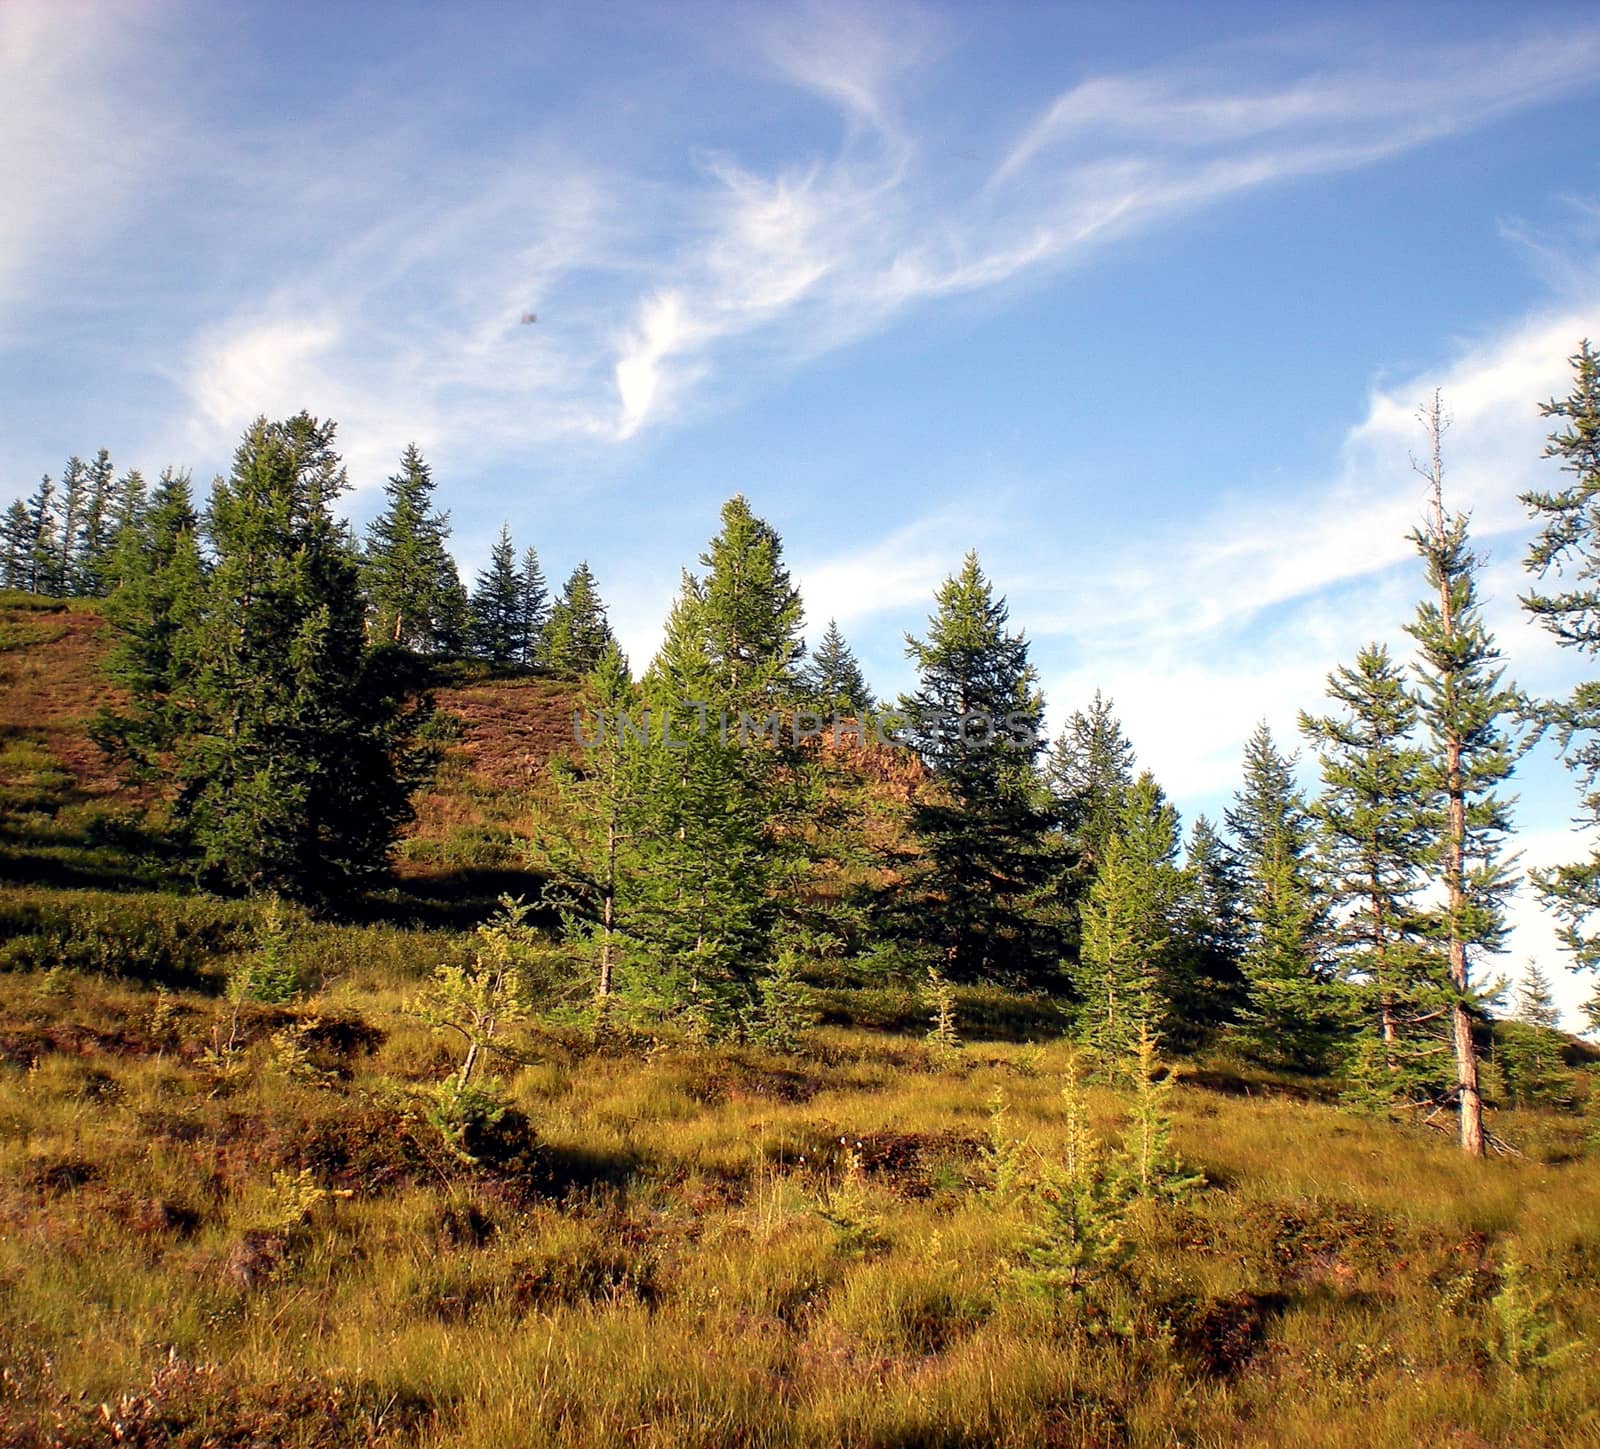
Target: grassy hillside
[227, 1223]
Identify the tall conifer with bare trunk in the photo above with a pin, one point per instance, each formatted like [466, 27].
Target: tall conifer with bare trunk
[1465, 712]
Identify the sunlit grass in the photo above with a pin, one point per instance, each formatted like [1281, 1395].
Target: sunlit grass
[277, 1240]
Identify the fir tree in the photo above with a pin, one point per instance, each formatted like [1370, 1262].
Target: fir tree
[1465, 710]
[1376, 817]
[413, 591]
[974, 718]
[1288, 1012]
[535, 601]
[1128, 959]
[577, 632]
[497, 625]
[832, 681]
[1567, 550]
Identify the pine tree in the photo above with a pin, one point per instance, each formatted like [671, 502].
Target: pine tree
[413, 591]
[1128, 961]
[1568, 547]
[974, 719]
[1465, 709]
[497, 624]
[535, 600]
[290, 746]
[577, 633]
[832, 681]
[1376, 817]
[44, 550]
[1288, 1015]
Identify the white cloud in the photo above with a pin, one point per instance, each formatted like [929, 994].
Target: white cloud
[77, 136]
[664, 293]
[898, 572]
[1238, 614]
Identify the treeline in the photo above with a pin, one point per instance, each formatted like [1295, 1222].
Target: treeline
[90, 533]
[701, 870]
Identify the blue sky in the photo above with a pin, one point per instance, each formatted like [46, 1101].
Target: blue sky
[1140, 301]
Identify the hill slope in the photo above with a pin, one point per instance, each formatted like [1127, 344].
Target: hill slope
[227, 1222]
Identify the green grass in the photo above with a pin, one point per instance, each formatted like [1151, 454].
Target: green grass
[230, 1223]
[273, 1241]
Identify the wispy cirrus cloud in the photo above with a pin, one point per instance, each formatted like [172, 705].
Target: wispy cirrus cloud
[80, 132]
[668, 291]
[1237, 611]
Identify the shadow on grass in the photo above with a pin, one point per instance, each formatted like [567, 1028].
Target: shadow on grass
[456, 900]
[984, 1013]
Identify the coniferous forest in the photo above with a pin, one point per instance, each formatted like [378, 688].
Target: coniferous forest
[424, 1023]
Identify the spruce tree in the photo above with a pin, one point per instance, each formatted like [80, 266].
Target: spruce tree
[1209, 990]
[96, 540]
[1535, 1000]
[1288, 1014]
[289, 743]
[535, 600]
[974, 719]
[413, 591]
[1090, 770]
[1465, 711]
[727, 822]
[154, 611]
[1528, 1046]
[589, 845]
[44, 550]
[16, 547]
[1131, 919]
[705, 913]
[74, 501]
[832, 681]
[498, 633]
[1376, 817]
[577, 633]
[127, 515]
[752, 614]
[1566, 551]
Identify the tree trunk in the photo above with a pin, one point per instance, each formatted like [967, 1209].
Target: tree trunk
[1469, 1101]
